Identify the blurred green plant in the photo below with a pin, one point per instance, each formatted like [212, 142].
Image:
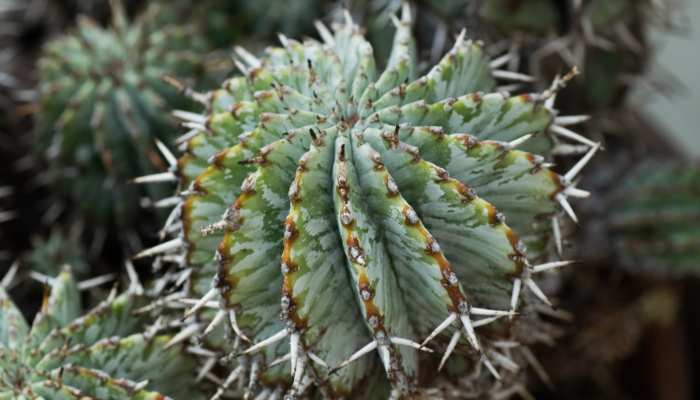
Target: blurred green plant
[103, 105]
[654, 216]
[376, 242]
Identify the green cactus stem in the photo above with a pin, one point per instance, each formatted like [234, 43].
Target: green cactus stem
[351, 220]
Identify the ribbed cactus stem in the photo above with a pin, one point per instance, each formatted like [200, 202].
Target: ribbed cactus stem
[349, 220]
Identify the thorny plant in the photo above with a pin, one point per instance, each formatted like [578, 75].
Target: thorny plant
[341, 220]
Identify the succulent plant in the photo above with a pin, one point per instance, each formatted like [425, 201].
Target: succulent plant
[652, 219]
[347, 218]
[103, 354]
[103, 104]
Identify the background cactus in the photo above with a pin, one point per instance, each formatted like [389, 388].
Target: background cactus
[342, 190]
[653, 216]
[104, 103]
[101, 354]
[632, 291]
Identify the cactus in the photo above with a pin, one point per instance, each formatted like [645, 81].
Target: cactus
[321, 190]
[652, 219]
[102, 354]
[103, 103]
[343, 191]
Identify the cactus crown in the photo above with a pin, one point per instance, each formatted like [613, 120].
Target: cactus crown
[363, 212]
[101, 354]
